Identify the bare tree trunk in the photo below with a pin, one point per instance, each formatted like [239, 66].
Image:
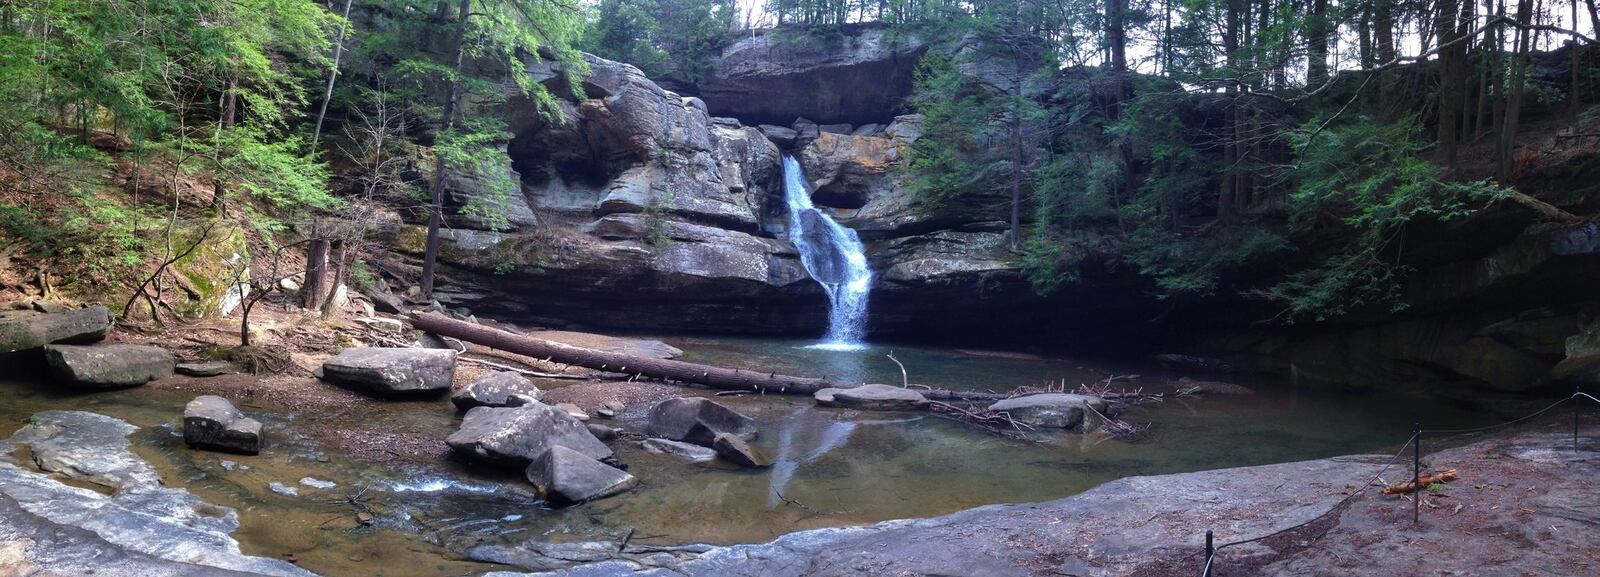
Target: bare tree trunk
[1317, 44]
[339, 263]
[333, 75]
[647, 367]
[1513, 115]
[430, 254]
[312, 291]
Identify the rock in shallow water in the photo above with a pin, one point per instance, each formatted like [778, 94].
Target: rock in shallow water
[34, 331]
[678, 449]
[393, 371]
[108, 366]
[568, 477]
[501, 389]
[735, 450]
[698, 420]
[205, 369]
[872, 398]
[211, 422]
[516, 436]
[1058, 410]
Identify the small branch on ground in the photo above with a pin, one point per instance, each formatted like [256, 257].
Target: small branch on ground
[905, 380]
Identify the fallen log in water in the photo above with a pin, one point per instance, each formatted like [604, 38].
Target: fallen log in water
[646, 367]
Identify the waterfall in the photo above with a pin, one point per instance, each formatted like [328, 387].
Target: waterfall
[834, 257]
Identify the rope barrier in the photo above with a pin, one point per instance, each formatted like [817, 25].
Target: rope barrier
[1415, 438]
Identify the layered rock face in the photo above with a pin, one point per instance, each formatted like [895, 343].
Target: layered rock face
[859, 76]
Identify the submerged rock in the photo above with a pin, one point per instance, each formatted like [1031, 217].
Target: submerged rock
[574, 410]
[1058, 410]
[516, 436]
[735, 450]
[501, 389]
[872, 398]
[33, 331]
[211, 422]
[108, 366]
[393, 371]
[134, 528]
[568, 477]
[602, 432]
[678, 449]
[698, 420]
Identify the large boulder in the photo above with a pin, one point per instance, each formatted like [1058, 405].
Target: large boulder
[698, 420]
[501, 389]
[211, 422]
[872, 398]
[568, 477]
[392, 371]
[27, 332]
[1056, 410]
[861, 75]
[515, 436]
[108, 366]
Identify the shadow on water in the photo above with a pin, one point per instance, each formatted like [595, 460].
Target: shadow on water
[833, 467]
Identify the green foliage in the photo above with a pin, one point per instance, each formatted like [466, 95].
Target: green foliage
[1366, 177]
[665, 38]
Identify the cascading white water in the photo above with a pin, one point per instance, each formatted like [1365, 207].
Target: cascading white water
[835, 258]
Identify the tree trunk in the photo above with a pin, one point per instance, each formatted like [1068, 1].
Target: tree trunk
[339, 264]
[647, 367]
[430, 253]
[225, 116]
[333, 75]
[1317, 44]
[1513, 114]
[1445, 23]
[312, 291]
[1226, 210]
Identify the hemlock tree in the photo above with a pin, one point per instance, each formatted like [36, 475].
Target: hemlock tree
[500, 32]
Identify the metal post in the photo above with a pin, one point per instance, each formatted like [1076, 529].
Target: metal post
[1577, 405]
[1209, 552]
[1416, 473]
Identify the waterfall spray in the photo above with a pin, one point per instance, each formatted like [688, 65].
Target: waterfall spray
[833, 255]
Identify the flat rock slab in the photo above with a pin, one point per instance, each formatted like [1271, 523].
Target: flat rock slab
[516, 436]
[205, 369]
[211, 422]
[385, 371]
[1057, 410]
[688, 451]
[27, 332]
[501, 389]
[872, 398]
[648, 348]
[134, 528]
[697, 420]
[108, 366]
[567, 477]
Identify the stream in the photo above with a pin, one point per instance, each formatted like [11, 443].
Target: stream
[834, 467]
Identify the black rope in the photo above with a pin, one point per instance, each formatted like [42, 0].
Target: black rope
[1496, 426]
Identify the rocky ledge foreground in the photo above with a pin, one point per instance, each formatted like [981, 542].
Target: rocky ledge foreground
[1524, 504]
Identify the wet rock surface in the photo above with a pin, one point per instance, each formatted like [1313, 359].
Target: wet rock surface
[385, 371]
[135, 528]
[108, 365]
[1054, 410]
[688, 451]
[698, 420]
[516, 436]
[211, 422]
[29, 331]
[500, 389]
[568, 477]
[735, 450]
[205, 369]
[873, 397]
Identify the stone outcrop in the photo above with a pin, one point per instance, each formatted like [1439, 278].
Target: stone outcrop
[739, 452]
[501, 389]
[1052, 410]
[860, 76]
[22, 331]
[205, 368]
[872, 398]
[211, 422]
[698, 420]
[515, 436]
[567, 477]
[133, 527]
[384, 371]
[108, 366]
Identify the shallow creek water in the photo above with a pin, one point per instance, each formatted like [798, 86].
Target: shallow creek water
[834, 467]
